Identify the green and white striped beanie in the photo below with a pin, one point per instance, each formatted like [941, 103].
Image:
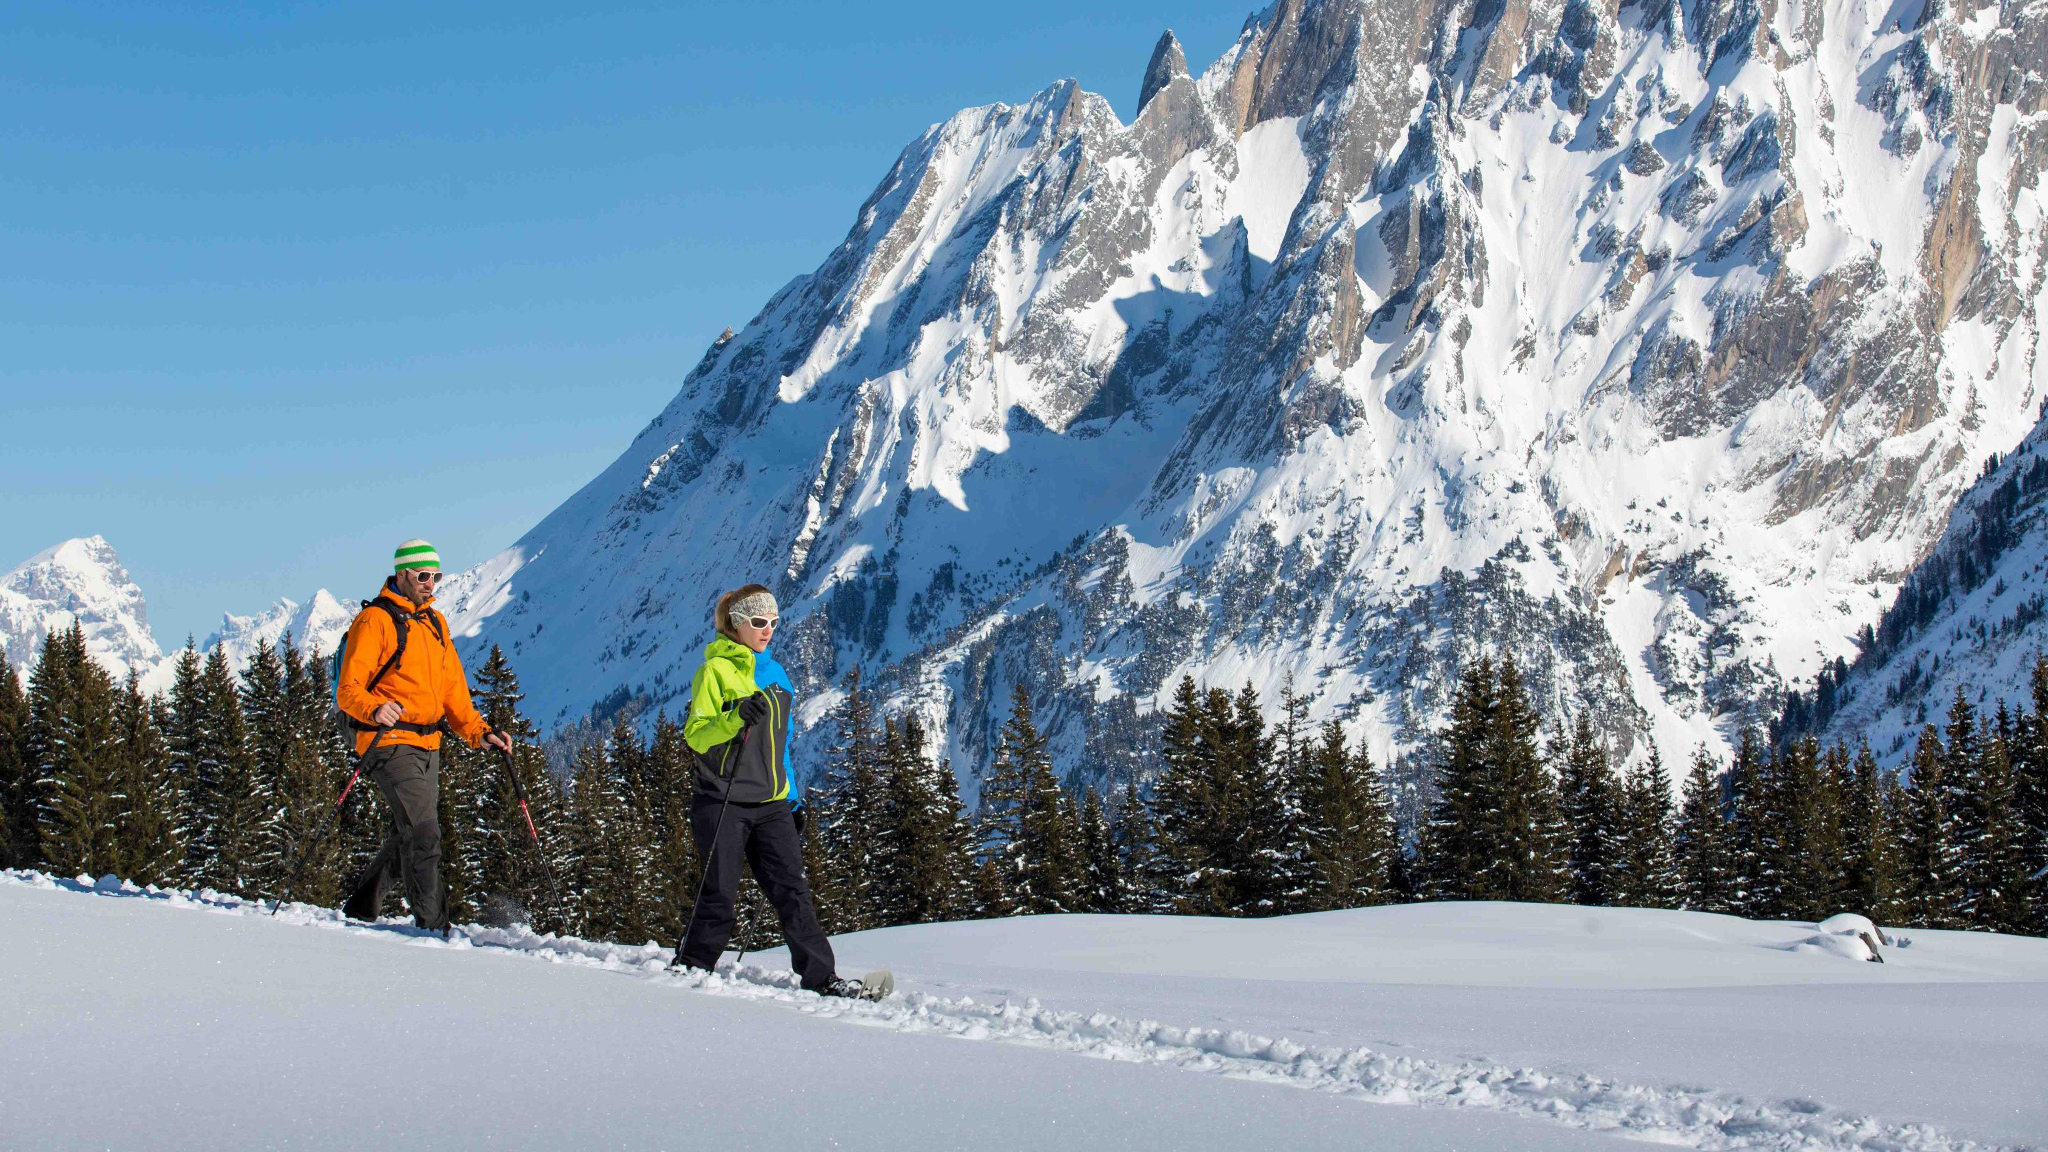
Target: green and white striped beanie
[415, 554]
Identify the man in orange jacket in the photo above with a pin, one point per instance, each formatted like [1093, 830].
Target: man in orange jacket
[411, 689]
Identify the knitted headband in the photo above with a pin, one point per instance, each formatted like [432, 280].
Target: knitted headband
[754, 604]
[415, 554]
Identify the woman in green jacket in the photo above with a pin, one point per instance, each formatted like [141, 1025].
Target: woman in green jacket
[740, 811]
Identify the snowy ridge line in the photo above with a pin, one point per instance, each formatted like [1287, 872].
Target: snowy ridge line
[1691, 1117]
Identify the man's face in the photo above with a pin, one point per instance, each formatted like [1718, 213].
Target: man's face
[418, 583]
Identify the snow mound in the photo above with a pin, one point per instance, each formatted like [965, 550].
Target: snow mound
[1692, 1116]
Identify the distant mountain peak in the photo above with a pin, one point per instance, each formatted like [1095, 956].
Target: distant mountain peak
[80, 580]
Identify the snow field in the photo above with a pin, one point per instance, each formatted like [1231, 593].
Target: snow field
[1688, 1114]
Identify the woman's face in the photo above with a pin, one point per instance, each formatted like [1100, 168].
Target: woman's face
[754, 631]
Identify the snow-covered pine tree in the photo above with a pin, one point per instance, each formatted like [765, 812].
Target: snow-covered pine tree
[1496, 832]
[931, 855]
[501, 863]
[1930, 858]
[1646, 863]
[1994, 857]
[1707, 864]
[1453, 845]
[1870, 864]
[273, 749]
[1964, 750]
[2031, 788]
[1807, 855]
[148, 831]
[1133, 834]
[79, 779]
[52, 682]
[1027, 828]
[1592, 815]
[14, 777]
[236, 804]
[609, 871]
[1351, 825]
[1280, 872]
[849, 812]
[1201, 807]
[1753, 825]
[672, 857]
[1101, 871]
[187, 737]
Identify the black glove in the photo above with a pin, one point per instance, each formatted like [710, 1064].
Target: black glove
[754, 709]
[796, 813]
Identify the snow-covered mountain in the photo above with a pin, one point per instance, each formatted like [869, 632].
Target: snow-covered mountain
[84, 579]
[315, 627]
[1970, 616]
[78, 580]
[1649, 340]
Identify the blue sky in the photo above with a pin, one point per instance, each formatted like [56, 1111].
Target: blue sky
[282, 284]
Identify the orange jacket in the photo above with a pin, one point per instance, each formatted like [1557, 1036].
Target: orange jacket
[428, 681]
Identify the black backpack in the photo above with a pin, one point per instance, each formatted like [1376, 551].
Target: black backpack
[349, 725]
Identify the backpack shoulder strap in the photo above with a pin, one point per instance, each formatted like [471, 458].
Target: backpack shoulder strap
[398, 618]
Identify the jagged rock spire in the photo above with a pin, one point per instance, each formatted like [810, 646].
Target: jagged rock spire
[1168, 64]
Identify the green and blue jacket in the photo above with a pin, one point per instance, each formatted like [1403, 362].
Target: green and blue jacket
[746, 764]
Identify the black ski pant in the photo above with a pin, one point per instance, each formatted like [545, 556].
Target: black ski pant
[410, 779]
[763, 836]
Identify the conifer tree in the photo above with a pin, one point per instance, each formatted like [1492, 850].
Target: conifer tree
[1930, 857]
[1807, 861]
[672, 856]
[1279, 871]
[1646, 864]
[14, 774]
[1026, 829]
[52, 686]
[1753, 830]
[1495, 832]
[1964, 752]
[504, 868]
[1707, 864]
[850, 811]
[233, 807]
[1994, 859]
[1101, 870]
[608, 869]
[1132, 834]
[2030, 768]
[273, 746]
[1592, 816]
[148, 828]
[78, 774]
[185, 733]
[930, 856]
[1870, 874]
[1351, 826]
[1205, 848]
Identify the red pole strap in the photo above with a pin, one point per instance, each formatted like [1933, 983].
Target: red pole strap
[530, 829]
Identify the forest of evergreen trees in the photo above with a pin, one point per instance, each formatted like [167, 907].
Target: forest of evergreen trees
[219, 782]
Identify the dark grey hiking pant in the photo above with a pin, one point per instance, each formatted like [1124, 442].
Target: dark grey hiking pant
[763, 838]
[410, 779]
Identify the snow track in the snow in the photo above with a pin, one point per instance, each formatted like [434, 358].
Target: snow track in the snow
[1689, 1116]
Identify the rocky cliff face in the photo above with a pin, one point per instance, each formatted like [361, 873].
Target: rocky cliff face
[1972, 617]
[1650, 341]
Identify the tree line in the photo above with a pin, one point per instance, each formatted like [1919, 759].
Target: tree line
[218, 783]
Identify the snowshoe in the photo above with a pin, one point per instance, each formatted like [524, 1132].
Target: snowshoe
[874, 986]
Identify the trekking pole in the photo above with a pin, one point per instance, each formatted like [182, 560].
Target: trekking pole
[327, 821]
[539, 850]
